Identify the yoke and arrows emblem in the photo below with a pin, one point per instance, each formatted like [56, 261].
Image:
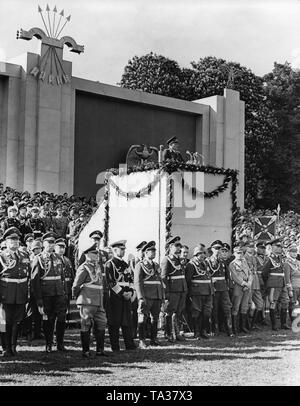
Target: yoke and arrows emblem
[50, 65]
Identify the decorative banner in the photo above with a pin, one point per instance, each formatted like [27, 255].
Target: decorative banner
[264, 227]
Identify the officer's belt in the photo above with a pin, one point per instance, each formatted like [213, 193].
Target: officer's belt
[276, 274]
[218, 278]
[152, 282]
[178, 277]
[200, 281]
[14, 280]
[86, 285]
[51, 278]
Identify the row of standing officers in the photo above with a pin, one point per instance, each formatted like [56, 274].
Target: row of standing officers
[107, 289]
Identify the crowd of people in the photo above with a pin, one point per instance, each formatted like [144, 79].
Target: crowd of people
[206, 290]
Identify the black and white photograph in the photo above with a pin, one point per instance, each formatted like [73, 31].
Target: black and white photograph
[150, 195]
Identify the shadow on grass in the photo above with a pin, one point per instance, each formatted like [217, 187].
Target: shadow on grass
[32, 360]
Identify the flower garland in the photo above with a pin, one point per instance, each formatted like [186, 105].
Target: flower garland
[208, 195]
[234, 208]
[142, 192]
[171, 167]
[169, 213]
[106, 214]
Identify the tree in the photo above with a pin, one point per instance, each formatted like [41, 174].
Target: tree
[154, 74]
[282, 87]
[209, 76]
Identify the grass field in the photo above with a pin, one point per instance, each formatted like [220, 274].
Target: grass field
[264, 358]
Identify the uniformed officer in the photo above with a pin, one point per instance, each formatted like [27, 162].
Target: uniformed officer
[150, 293]
[242, 278]
[11, 220]
[292, 278]
[173, 277]
[186, 314]
[200, 291]
[221, 300]
[273, 276]
[133, 261]
[261, 260]
[60, 249]
[35, 222]
[120, 292]
[34, 332]
[49, 290]
[256, 296]
[28, 239]
[172, 152]
[88, 291]
[14, 287]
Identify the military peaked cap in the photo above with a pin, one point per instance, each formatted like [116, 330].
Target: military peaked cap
[172, 140]
[11, 232]
[141, 245]
[49, 236]
[95, 233]
[149, 246]
[120, 244]
[217, 242]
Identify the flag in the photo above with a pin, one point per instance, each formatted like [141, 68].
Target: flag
[264, 227]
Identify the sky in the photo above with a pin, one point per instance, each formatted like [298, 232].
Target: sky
[255, 33]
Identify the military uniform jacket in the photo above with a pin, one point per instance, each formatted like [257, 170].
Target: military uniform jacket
[47, 276]
[36, 224]
[147, 280]
[241, 275]
[68, 273]
[173, 274]
[88, 286]
[119, 280]
[273, 272]
[292, 273]
[218, 274]
[261, 261]
[173, 155]
[14, 277]
[198, 279]
[252, 263]
[10, 222]
[118, 277]
[60, 225]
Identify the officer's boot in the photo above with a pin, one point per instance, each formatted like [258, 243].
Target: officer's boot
[14, 334]
[3, 342]
[254, 325]
[113, 332]
[216, 329]
[47, 333]
[85, 343]
[142, 335]
[8, 352]
[228, 326]
[248, 320]
[175, 323]
[99, 337]
[283, 316]
[37, 326]
[244, 324]
[204, 324]
[291, 314]
[128, 339]
[196, 322]
[60, 332]
[273, 320]
[169, 327]
[235, 324]
[153, 336]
